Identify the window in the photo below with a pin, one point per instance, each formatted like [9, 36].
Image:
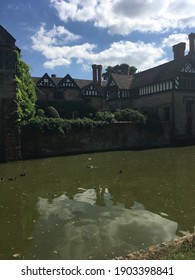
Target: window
[189, 107]
[187, 83]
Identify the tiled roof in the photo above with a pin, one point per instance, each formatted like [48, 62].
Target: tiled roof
[80, 82]
[123, 81]
[163, 72]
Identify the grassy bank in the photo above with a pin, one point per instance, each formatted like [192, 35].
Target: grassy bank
[179, 249]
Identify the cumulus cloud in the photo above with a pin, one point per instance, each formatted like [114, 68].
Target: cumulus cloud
[48, 43]
[174, 39]
[124, 17]
[53, 44]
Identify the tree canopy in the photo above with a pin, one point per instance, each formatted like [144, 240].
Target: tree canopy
[25, 90]
[119, 69]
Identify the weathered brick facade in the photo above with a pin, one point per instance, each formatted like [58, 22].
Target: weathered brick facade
[9, 134]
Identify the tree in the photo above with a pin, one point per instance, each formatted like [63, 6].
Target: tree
[119, 69]
[25, 91]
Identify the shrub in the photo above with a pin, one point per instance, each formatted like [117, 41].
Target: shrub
[66, 108]
[129, 115]
[104, 116]
[40, 113]
[59, 126]
[51, 112]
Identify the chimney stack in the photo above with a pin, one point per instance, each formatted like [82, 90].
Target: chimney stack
[99, 75]
[191, 37]
[179, 50]
[94, 67]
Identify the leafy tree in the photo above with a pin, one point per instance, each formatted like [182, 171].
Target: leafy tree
[119, 69]
[25, 91]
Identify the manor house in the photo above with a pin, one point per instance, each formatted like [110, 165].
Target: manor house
[166, 91]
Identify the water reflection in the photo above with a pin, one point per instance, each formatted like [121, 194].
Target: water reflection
[79, 229]
[61, 209]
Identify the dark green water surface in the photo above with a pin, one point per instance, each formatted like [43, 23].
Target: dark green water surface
[96, 206]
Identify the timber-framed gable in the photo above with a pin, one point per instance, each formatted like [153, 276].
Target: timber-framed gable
[67, 82]
[46, 81]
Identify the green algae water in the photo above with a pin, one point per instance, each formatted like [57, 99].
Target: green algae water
[96, 206]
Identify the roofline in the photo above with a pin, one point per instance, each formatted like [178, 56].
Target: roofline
[1, 26]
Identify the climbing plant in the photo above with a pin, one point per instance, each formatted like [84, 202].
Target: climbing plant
[25, 91]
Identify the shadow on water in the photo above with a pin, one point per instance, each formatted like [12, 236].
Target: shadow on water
[96, 206]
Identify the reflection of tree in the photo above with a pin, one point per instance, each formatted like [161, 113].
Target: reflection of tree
[100, 196]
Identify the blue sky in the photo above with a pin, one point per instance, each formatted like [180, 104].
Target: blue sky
[68, 36]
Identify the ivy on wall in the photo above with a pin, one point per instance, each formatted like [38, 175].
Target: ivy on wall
[25, 91]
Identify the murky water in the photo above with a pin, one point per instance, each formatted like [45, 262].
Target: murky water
[96, 206]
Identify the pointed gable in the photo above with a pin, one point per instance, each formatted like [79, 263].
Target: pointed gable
[91, 90]
[67, 82]
[188, 68]
[46, 81]
[6, 37]
[164, 72]
[111, 82]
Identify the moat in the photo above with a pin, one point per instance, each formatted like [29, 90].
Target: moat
[96, 206]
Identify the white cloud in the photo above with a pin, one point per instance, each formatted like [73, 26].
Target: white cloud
[124, 16]
[174, 39]
[77, 10]
[48, 43]
[53, 45]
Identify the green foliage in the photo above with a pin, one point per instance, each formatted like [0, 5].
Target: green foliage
[59, 126]
[40, 113]
[104, 116]
[68, 109]
[129, 115]
[25, 91]
[118, 69]
[51, 112]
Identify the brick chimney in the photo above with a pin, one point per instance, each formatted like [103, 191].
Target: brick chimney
[99, 75]
[191, 37]
[94, 67]
[179, 50]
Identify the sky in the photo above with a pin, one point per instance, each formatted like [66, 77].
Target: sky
[67, 36]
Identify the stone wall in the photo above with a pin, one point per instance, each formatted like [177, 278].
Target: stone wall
[118, 136]
[11, 150]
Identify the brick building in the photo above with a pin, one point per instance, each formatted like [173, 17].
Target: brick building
[9, 133]
[166, 91]
[91, 92]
